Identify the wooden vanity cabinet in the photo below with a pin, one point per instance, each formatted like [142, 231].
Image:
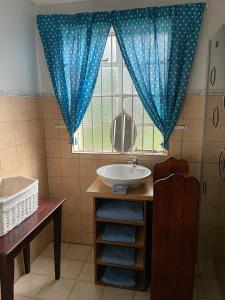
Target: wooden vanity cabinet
[142, 194]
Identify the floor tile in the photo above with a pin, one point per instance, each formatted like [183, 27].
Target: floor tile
[30, 285]
[43, 265]
[211, 288]
[91, 256]
[206, 267]
[57, 289]
[77, 252]
[142, 295]
[71, 268]
[20, 297]
[198, 288]
[86, 291]
[87, 273]
[110, 293]
[48, 251]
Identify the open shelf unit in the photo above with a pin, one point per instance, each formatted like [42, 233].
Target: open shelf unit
[101, 193]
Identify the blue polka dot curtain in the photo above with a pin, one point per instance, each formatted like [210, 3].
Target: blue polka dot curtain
[73, 46]
[158, 46]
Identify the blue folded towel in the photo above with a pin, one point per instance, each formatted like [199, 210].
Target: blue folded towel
[119, 233]
[121, 210]
[121, 277]
[119, 255]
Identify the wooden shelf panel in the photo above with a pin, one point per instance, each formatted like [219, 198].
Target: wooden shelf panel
[107, 220]
[139, 265]
[140, 279]
[140, 240]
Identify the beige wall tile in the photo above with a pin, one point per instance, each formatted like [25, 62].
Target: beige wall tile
[72, 221]
[54, 167]
[55, 186]
[50, 131]
[191, 151]
[52, 148]
[87, 205]
[6, 109]
[70, 167]
[194, 132]
[66, 150]
[72, 236]
[175, 149]
[72, 205]
[70, 187]
[51, 109]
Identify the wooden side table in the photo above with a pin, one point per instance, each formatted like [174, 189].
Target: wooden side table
[19, 239]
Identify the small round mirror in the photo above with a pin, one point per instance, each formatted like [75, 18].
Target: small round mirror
[123, 133]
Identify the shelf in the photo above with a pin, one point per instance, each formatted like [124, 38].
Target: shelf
[138, 266]
[140, 240]
[140, 279]
[107, 220]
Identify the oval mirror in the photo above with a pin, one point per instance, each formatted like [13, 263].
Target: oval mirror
[123, 133]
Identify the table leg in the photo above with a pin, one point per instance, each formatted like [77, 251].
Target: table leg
[7, 277]
[57, 241]
[26, 259]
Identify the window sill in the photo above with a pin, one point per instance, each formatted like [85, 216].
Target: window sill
[112, 155]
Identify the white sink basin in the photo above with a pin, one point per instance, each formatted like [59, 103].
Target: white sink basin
[123, 174]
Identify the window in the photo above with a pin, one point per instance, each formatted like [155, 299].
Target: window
[115, 92]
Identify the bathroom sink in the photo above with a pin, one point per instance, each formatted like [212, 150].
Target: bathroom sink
[123, 174]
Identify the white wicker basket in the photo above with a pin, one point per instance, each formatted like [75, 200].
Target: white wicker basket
[18, 200]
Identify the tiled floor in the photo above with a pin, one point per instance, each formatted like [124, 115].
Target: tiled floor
[77, 279]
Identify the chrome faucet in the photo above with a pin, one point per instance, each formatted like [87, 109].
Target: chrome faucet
[133, 161]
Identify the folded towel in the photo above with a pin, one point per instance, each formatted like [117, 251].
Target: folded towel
[119, 233]
[121, 277]
[121, 210]
[119, 255]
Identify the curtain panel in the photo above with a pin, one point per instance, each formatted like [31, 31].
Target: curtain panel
[73, 47]
[158, 46]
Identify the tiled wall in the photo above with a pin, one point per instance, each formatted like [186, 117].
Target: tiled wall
[22, 150]
[69, 175]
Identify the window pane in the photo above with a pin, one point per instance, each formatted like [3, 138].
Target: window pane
[97, 90]
[107, 146]
[107, 111]
[107, 52]
[147, 119]
[148, 138]
[158, 139]
[114, 81]
[127, 82]
[138, 111]
[138, 144]
[88, 115]
[127, 105]
[87, 135]
[97, 138]
[117, 106]
[106, 81]
[96, 110]
[114, 52]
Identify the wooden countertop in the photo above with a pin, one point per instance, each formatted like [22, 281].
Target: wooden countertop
[143, 192]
